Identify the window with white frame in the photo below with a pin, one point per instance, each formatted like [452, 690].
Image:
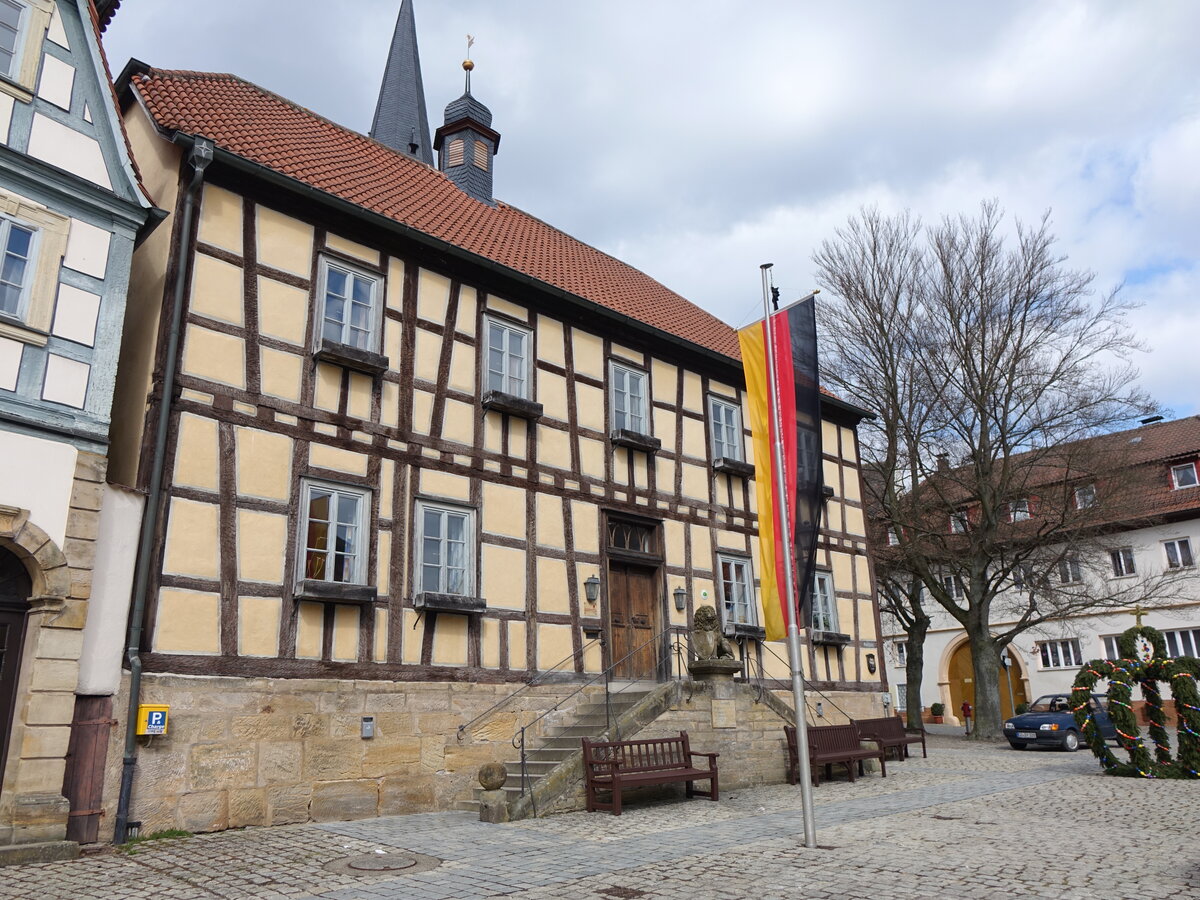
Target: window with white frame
[1018, 510]
[1122, 561]
[953, 586]
[17, 243]
[349, 306]
[1184, 476]
[628, 399]
[1061, 654]
[726, 429]
[1069, 570]
[1085, 497]
[1184, 642]
[1022, 576]
[959, 522]
[335, 546]
[893, 537]
[737, 591]
[901, 648]
[508, 358]
[824, 605]
[1179, 553]
[445, 549]
[1111, 651]
[11, 14]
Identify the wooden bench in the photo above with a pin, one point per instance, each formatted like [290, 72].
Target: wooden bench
[829, 745]
[617, 765]
[890, 731]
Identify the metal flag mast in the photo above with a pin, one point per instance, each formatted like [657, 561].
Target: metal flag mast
[789, 576]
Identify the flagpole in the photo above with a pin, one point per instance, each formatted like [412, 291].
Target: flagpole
[789, 580]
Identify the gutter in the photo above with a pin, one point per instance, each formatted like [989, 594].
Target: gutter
[200, 155]
[295, 186]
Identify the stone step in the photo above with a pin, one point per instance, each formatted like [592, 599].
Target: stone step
[468, 805]
[532, 766]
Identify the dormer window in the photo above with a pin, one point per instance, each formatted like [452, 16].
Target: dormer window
[1085, 497]
[958, 522]
[1018, 511]
[1184, 476]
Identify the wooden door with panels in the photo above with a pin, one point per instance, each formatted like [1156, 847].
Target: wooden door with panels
[14, 604]
[635, 599]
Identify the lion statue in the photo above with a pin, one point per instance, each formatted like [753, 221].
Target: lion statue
[707, 640]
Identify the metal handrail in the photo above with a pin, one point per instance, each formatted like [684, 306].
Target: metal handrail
[518, 739]
[532, 683]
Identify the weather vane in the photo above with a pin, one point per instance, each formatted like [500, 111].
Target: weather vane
[467, 64]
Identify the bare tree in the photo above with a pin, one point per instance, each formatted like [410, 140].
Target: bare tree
[985, 348]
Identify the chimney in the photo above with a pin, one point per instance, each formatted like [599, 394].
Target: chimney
[943, 462]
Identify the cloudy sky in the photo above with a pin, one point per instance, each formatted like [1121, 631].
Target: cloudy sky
[696, 139]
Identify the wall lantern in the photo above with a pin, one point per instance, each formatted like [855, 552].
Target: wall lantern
[591, 589]
[680, 599]
[871, 663]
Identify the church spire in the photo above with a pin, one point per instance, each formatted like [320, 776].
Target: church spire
[401, 120]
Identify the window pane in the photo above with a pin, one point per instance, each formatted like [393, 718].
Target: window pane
[1185, 553]
[363, 291]
[10, 14]
[14, 270]
[430, 576]
[19, 241]
[335, 283]
[10, 298]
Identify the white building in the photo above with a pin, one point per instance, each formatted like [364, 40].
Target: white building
[1150, 548]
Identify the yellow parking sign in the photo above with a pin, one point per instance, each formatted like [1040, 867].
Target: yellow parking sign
[152, 719]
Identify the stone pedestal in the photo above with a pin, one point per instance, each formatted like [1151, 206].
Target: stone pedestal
[717, 671]
[493, 807]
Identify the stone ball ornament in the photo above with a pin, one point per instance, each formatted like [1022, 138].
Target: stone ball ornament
[492, 776]
[1144, 663]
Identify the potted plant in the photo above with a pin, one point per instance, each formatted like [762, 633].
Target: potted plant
[937, 710]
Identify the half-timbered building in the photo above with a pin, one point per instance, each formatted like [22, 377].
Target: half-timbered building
[425, 448]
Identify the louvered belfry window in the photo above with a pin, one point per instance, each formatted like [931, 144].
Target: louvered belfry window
[457, 153]
[481, 155]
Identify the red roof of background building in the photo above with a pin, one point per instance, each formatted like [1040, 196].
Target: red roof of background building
[271, 131]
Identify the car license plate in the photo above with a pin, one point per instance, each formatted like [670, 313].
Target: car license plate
[1027, 735]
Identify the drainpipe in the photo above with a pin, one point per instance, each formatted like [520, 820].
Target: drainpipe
[200, 156]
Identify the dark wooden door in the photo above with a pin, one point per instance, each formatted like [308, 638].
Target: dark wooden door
[633, 600]
[14, 595]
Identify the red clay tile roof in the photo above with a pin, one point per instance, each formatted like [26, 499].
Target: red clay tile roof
[264, 128]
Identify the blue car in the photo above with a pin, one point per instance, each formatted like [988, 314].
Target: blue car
[1049, 722]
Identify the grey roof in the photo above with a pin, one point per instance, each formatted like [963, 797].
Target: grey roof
[467, 107]
[401, 120]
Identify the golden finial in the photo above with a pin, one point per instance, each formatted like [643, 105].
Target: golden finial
[467, 64]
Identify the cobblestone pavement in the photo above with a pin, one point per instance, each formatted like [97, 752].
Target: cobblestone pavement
[969, 822]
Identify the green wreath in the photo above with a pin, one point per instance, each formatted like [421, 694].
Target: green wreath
[1144, 662]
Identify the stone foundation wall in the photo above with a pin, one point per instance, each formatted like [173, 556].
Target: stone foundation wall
[257, 751]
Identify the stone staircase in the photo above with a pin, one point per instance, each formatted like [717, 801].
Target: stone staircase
[554, 764]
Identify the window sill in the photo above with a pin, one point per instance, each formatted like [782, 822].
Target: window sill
[449, 603]
[512, 405]
[632, 440]
[335, 592]
[740, 630]
[733, 467]
[352, 358]
[833, 638]
[15, 329]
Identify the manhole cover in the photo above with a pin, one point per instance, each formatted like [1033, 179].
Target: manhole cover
[382, 862]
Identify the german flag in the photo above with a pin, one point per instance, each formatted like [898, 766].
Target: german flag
[787, 403]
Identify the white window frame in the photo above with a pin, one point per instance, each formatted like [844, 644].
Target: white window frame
[14, 74]
[960, 522]
[729, 612]
[1179, 553]
[472, 546]
[1111, 651]
[618, 371]
[361, 524]
[824, 603]
[6, 224]
[1182, 642]
[893, 537]
[508, 328]
[1122, 561]
[353, 271]
[1070, 567]
[953, 586]
[1085, 497]
[721, 448]
[901, 648]
[1018, 510]
[1064, 653]
[1177, 470]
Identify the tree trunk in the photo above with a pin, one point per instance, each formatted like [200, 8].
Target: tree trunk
[914, 669]
[985, 664]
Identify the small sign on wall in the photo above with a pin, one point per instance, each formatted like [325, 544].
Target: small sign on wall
[152, 719]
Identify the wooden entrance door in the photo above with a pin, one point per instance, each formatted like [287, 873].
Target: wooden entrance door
[962, 683]
[14, 594]
[633, 602]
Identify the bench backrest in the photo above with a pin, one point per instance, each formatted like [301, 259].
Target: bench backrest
[646, 755]
[885, 726]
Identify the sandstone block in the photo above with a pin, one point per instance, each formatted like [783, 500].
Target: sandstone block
[205, 811]
[288, 805]
[326, 759]
[342, 801]
[59, 643]
[222, 766]
[247, 807]
[80, 553]
[41, 808]
[87, 495]
[280, 763]
[74, 611]
[390, 756]
[309, 725]
[405, 794]
[433, 753]
[41, 741]
[46, 708]
[54, 675]
[261, 727]
[40, 776]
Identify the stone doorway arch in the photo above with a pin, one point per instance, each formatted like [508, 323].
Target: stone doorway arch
[956, 680]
